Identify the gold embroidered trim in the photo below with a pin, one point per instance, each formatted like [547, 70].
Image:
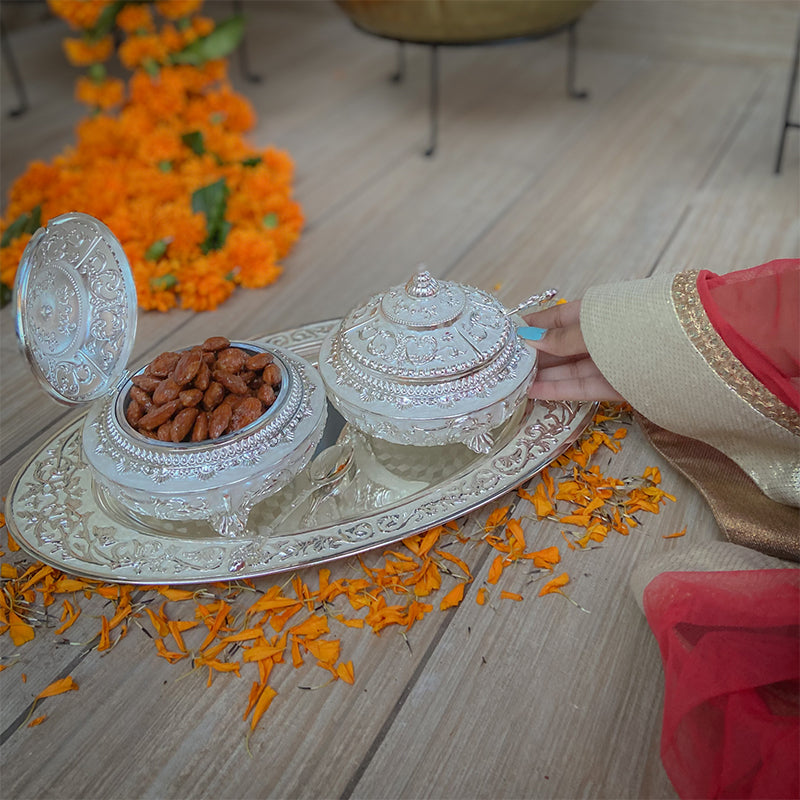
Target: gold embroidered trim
[717, 354]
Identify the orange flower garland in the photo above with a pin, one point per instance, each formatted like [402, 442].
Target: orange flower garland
[162, 161]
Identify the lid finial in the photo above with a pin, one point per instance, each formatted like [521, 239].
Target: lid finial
[422, 284]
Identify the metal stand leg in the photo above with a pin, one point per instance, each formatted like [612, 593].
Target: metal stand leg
[244, 63]
[787, 123]
[572, 48]
[434, 100]
[400, 72]
[16, 78]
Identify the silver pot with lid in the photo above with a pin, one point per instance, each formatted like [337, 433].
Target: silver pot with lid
[429, 362]
[76, 314]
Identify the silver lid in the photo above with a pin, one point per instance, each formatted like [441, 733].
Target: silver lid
[76, 308]
[426, 331]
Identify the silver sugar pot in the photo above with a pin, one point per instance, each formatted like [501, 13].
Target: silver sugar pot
[429, 362]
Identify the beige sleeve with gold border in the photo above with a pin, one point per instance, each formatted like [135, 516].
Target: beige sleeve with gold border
[653, 342]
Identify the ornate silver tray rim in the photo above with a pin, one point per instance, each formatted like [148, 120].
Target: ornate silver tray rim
[54, 515]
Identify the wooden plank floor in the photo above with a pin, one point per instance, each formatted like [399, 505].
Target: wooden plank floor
[668, 165]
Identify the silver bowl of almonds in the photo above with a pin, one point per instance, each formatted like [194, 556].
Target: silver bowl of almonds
[204, 432]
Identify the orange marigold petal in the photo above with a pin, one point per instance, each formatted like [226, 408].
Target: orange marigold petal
[554, 585]
[58, 687]
[453, 598]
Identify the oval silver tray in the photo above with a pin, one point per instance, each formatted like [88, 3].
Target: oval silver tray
[386, 493]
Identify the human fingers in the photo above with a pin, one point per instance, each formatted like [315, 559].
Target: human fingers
[558, 316]
[562, 370]
[556, 330]
[564, 342]
[579, 381]
[545, 360]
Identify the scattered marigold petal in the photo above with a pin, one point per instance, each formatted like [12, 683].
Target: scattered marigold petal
[496, 518]
[314, 626]
[159, 624]
[266, 697]
[422, 543]
[58, 687]
[68, 617]
[510, 595]
[351, 623]
[170, 656]
[653, 473]
[554, 585]
[453, 597]
[480, 597]
[496, 570]
[8, 571]
[675, 535]
[251, 701]
[345, 672]
[175, 594]
[105, 638]
[544, 559]
[460, 563]
[37, 721]
[326, 651]
[20, 631]
[428, 580]
[216, 625]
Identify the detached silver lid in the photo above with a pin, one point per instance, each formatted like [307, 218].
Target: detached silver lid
[76, 308]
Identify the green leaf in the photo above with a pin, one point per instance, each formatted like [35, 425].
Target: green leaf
[97, 72]
[29, 222]
[194, 141]
[150, 66]
[5, 295]
[165, 166]
[254, 161]
[163, 282]
[106, 21]
[271, 220]
[212, 201]
[221, 42]
[156, 250]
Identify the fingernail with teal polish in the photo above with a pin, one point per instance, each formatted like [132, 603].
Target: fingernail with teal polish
[533, 334]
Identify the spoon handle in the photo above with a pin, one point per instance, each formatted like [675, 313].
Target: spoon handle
[534, 300]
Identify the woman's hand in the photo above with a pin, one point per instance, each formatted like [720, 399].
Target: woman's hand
[566, 370]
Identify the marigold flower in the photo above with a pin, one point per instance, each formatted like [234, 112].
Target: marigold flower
[135, 18]
[251, 258]
[204, 286]
[79, 14]
[84, 52]
[178, 130]
[136, 51]
[104, 95]
[172, 38]
[176, 9]
[202, 26]
[10, 257]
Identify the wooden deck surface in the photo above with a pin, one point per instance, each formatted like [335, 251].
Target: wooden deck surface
[668, 165]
